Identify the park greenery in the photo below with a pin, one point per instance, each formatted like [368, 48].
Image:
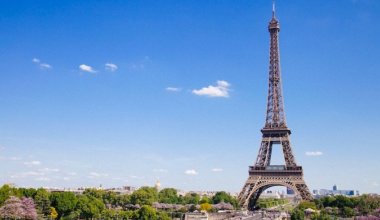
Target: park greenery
[144, 203]
[334, 207]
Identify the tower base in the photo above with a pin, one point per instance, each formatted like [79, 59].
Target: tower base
[262, 178]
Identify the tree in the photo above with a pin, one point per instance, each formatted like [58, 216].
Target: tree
[147, 213]
[30, 211]
[89, 206]
[64, 202]
[348, 212]
[297, 214]
[12, 209]
[224, 197]
[191, 198]
[42, 201]
[53, 213]
[168, 195]
[6, 191]
[144, 196]
[205, 199]
[206, 207]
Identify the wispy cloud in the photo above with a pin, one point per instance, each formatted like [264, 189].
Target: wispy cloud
[136, 177]
[42, 178]
[314, 153]
[221, 89]
[173, 89]
[86, 68]
[51, 170]
[140, 65]
[191, 172]
[217, 170]
[27, 174]
[32, 163]
[15, 158]
[160, 170]
[43, 66]
[111, 67]
[97, 175]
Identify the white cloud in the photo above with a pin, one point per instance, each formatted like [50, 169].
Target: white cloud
[173, 89]
[27, 174]
[221, 89]
[217, 170]
[191, 172]
[86, 68]
[136, 177]
[66, 178]
[314, 153]
[375, 184]
[71, 173]
[111, 67]
[45, 179]
[160, 170]
[97, 175]
[48, 170]
[45, 66]
[32, 163]
[15, 158]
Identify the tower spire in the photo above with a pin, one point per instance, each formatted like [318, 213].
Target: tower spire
[273, 8]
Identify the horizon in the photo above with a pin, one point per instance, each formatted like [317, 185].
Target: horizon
[124, 93]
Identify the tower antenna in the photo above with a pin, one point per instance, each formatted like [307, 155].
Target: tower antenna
[273, 8]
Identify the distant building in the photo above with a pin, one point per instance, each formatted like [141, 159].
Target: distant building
[334, 192]
[289, 191]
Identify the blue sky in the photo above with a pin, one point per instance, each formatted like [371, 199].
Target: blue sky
[125, 92]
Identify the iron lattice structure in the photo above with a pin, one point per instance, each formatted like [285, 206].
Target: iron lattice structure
[264, 175]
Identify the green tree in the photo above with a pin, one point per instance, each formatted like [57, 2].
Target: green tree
[205, 199]
[64, 202]
[297, 214]
[27, 192]
[42, 201]
[7, 191]
[163, 216]
[348, 212]
[89, 206]
[168, 195]
[224, 197]
[144, 196]
[191, 198]
[147, 213]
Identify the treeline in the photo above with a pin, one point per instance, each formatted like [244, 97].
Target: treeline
[332, 207]
[271, 202]
[144, 203]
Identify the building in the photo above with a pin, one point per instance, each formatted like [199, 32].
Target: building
[335, 191]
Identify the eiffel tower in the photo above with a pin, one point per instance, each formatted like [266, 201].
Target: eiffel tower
[263, 175]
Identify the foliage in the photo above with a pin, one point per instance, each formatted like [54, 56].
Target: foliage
[12, 209]
[6, 191]
[144, 196]
[53, 213]
[297, 214]
[29, 208]
[168, 195]
[224, 197]
[191, 198]
[41, 199]
[89, 206]
[147, 213]
[206, 207]
[64, 202]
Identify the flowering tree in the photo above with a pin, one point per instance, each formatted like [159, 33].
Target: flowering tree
[30, 212]
[12, 209]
